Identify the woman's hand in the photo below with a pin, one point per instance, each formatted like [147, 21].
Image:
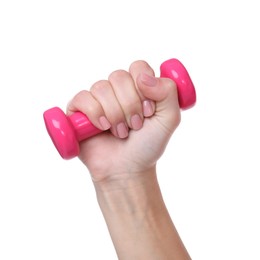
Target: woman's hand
[140, 111]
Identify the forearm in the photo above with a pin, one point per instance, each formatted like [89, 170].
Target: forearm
[138, 220]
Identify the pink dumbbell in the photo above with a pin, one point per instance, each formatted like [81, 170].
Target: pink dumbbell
[67, 131]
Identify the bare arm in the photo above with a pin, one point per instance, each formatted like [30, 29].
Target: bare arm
[138, 221]
[141, 113]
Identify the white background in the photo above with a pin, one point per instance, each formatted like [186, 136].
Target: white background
[49, 50]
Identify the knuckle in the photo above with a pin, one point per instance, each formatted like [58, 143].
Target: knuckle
[133, 104]
[171, 84]
[140, 65]
[92, 108]
[99, 86]
[80, 95]
[118, 75]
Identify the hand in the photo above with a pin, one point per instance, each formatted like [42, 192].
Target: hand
[140, 110]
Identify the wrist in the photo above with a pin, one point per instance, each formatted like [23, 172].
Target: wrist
[125, 181]
[129, 193]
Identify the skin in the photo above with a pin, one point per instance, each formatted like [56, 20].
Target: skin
[140, 113]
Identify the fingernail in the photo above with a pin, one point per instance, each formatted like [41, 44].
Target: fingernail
[104, 123]
[148, 108]
[136, 122]
[148, 80]
[122, 130]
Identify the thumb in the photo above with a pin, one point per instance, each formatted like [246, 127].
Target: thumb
[163, 92]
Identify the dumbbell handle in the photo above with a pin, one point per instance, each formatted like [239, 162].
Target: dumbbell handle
[67, 131]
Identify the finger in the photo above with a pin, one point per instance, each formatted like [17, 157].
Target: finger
[126, 93]
[87, 104]
[164, 92]
[135, 69]
[104, 94]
